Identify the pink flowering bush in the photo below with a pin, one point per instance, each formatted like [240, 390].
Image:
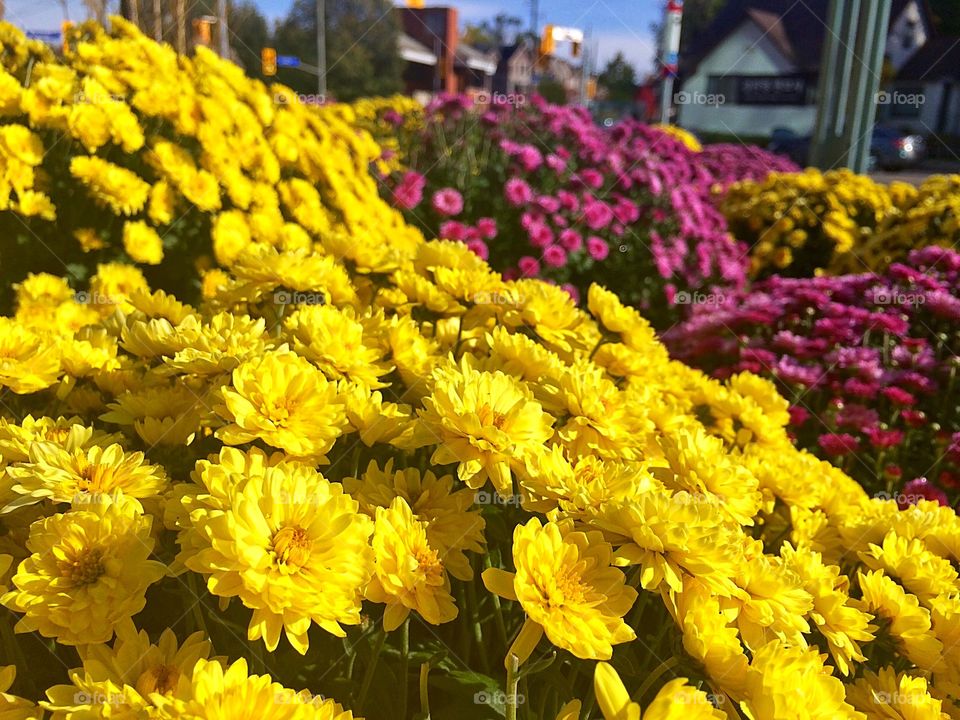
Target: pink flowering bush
[542, 191]
[869, 363]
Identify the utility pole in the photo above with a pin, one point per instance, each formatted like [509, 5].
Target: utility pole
[157, 21]
[534, 17]
[222, 30]
[850, 71]
[322, 50]
[132, 7]
[3, 9]
[671, 53]
[180, 21]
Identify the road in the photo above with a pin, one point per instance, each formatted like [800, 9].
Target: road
[916, 176]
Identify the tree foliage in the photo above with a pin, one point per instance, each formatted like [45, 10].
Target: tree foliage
[619, 78]
[362, 47]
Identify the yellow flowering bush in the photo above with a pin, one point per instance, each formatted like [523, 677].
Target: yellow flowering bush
[799, 224]
[364, 466]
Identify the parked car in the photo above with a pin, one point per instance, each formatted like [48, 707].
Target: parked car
[890, 149]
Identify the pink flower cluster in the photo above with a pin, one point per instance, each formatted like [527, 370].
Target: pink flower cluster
[630, 206]
[870, 363]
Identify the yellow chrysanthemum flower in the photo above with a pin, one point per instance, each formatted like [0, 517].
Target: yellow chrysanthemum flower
[888, 695]
[453, 527]
[675, 701]
[120, 679]
[28, 361]
[291, 545]
[87, 572]
[121, 190]
[11, 706]
[217, 693]
[142, 243]
[284, 401]
[408, 572]
[482, 421]
[82, 476]
[568, 588]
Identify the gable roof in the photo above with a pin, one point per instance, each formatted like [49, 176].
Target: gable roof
[797, 29]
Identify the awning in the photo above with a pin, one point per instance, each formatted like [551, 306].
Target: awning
[415, 52]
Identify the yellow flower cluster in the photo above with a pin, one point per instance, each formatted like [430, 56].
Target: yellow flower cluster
[928, 216]
[263, 167]
[356, 434]
[811, 222]
[684, 136]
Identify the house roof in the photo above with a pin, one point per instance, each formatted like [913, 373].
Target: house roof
[939, 58]
[797, 29]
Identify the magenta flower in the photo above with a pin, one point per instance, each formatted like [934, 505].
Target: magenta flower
[487, 228]
[409, 192]
[540, 235]
[597, 248]
[453, 230]
[447, 202]
[555, 256]
[883, 439]
[479, 248]
[838, 444]
[517, 192]
[529, 266]
[597, 214]
[921, 489]
[898, 396]
[571, 240]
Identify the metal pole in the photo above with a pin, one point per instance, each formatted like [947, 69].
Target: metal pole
[534, 18]
[851, 66]
[671, 51]
[583, 70]
[321, 50]
[222, 33]
[133, 5]
[3, 9]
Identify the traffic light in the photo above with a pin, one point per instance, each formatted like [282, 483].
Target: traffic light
[201, 29]
[576, 49]
[65, 28]
[547, 43]
[415, 4]
[268, 61]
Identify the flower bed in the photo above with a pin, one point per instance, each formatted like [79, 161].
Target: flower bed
[542, 191]
[868, 362]
[364, 466]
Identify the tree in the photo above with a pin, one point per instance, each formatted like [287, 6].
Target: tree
[249, 34]
[697, 16]
[362, 47]
[619, 78]
[502, 30]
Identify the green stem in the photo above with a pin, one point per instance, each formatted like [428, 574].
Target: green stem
[425, 690]
[404, 665]
[513, 677]
[656, 675]
[477, 630]
[371, 667]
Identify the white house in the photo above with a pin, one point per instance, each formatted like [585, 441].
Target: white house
[756, 67]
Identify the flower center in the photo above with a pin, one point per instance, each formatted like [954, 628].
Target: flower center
[162, 679]
[277, 411]
[85, 569]
[291, 546]
[567, 589]
[428, 561]
[88, 481]
[488, 416]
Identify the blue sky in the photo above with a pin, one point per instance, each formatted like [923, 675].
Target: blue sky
[615, 25]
